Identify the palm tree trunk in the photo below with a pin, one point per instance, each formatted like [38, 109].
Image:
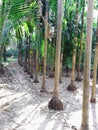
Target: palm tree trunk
[93, 95]
[1, 26]
[78, 78]
[26, 57]
[1, 66]
[72, 87]
[55, 103]
[60, 77]
[43, 88]
[28, 68]
[87, 66]
[4, 54]
[36, 71]
[19, 53]
[51, 75]
[40, 5]
[31, 64]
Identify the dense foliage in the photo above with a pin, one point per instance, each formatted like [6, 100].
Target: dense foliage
[20, 19]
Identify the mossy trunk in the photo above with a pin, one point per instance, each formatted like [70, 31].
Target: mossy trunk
[55, 103]
[87, 67]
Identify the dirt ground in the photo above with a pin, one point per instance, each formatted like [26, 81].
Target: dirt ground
[23, 107]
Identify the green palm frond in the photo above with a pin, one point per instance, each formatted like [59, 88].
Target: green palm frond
[17, 10]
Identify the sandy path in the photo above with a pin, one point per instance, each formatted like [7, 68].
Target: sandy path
[22, 107]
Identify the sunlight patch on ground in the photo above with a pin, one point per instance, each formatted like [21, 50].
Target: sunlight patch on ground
[52, 125]
[4, 92]
[93, 116]
[25, 113]
[26, 109]
[43, 104]
[7, 97]
[75, 119]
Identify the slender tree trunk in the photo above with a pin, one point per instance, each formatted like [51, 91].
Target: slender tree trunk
[51, 75]
[93, 94]
[19, 53]
[87, 66]
[72, 87]
[4, 54]
[19, 58]
[36, 71]
[2, 17]
[28, 68]
[1, 66]
[55, 103]
[26, 57]
[61, 60]
[43, 88]
[78, 78]
[38, 41]
[40, 5]
[31, 64]
[67, 71]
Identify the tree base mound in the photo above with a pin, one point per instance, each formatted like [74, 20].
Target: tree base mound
[91, 75]
[25, 70]
[1, 69]
[28, 73]
[43, 90]
[55, 104]
[78, 78]
[51, 75]
[84, 127]
[36, 81]
[31, 76]
[67, 75]
[93, 100]
[20, 64]
[71, 87]
[60, 81]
